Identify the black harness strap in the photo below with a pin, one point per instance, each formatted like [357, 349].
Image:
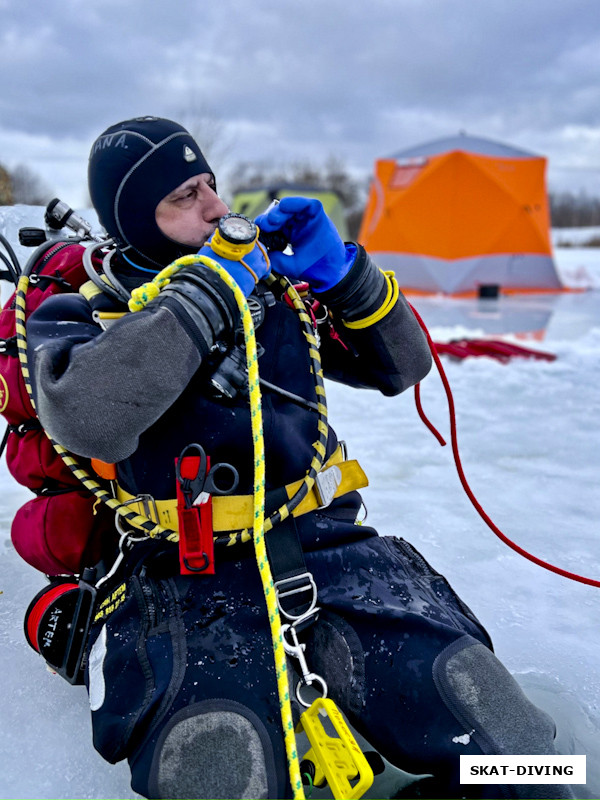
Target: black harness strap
[294, 584]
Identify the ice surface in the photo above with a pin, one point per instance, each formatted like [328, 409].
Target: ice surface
[530, 443]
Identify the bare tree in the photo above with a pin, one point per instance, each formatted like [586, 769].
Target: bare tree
[568, 210]
[28, 188]
[6, 191]
[211, 132]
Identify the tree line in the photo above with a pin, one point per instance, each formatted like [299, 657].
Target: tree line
[22, 185]
[567, 209]
[331, 176]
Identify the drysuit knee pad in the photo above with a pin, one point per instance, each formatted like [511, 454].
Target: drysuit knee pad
[489, 703]
[493, 711]
[216, 748]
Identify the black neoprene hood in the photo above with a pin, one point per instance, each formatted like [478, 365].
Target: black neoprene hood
[133, 165]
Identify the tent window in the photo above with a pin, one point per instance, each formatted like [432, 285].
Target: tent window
[404, 175]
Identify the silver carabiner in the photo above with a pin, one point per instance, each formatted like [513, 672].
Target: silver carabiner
[296, 650]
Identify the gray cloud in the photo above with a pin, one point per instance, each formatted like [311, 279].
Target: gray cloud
[306, 79]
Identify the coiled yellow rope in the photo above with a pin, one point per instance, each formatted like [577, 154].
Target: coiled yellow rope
[140, 297]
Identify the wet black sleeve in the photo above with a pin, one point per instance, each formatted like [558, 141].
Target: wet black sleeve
[391, 355]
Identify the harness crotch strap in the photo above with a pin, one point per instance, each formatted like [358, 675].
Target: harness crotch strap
[235, 512]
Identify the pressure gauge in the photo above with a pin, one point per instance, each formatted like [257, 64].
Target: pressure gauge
[237, 229]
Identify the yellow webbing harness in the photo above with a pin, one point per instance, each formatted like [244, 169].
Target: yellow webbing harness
[235, 512]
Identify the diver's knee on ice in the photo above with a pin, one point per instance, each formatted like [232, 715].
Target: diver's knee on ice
[493, 710]
[217, 749]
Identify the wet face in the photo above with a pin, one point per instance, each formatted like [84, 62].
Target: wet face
[190, 213]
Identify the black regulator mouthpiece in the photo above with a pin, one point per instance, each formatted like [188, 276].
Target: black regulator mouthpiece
[231, 376]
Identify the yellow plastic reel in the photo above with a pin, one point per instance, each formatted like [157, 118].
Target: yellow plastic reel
[337, 760]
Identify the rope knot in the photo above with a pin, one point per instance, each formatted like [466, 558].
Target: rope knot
[142, 295]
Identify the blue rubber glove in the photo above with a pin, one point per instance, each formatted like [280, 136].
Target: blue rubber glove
[320, 257]
[255, 259]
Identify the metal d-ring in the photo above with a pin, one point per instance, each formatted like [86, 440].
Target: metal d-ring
[309, 680]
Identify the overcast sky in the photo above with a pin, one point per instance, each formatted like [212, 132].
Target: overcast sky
[302, 79]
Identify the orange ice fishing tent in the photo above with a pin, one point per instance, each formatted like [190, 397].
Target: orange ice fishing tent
[461, 216]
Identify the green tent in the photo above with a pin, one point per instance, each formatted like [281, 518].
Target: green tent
[252, 202]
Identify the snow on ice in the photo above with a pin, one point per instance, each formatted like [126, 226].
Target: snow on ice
[529, 440]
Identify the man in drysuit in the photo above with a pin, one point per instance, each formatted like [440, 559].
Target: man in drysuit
[181, 675]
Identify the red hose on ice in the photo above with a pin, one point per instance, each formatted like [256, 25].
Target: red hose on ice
[540, 562]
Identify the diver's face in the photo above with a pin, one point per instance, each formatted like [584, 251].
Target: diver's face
[190, 213]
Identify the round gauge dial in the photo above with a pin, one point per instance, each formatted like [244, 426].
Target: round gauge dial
[237, 229]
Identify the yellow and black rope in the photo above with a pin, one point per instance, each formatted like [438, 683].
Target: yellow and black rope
[320, 446]
[148, 526]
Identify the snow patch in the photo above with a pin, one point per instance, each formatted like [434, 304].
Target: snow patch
[464, 739]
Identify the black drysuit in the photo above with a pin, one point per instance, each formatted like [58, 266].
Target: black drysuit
[181, 674]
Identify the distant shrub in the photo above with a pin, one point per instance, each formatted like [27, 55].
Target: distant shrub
[6, 192]
[568, 210]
